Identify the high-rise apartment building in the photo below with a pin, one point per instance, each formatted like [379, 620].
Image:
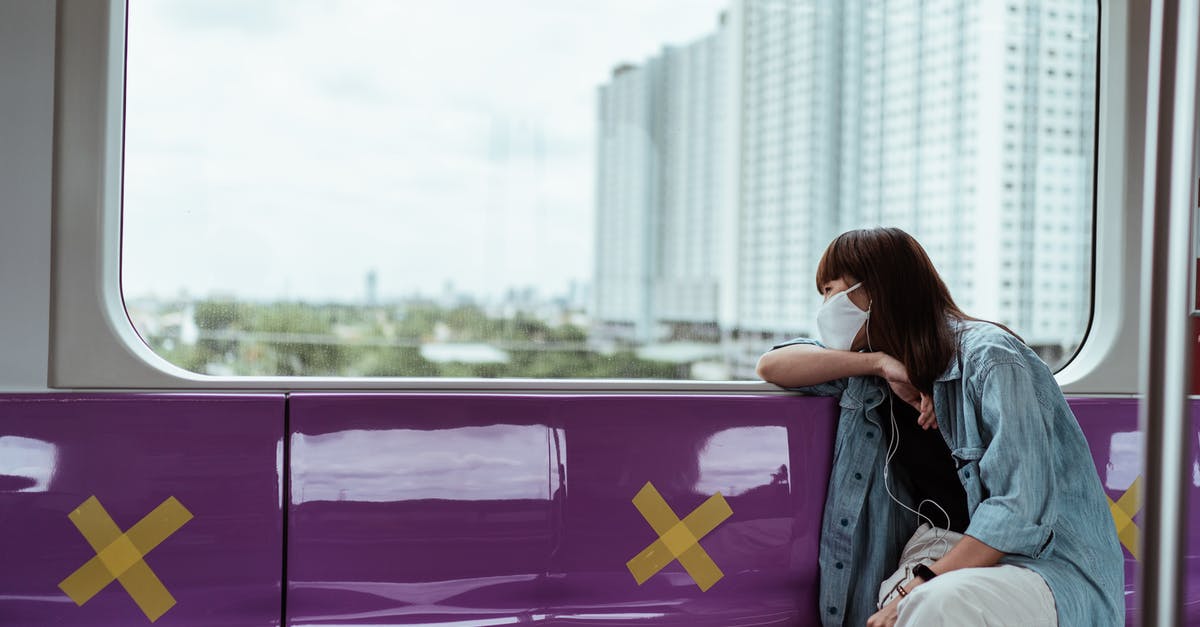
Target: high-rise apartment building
[697, 186]
[628, 198]
[663, 188]
[788, 163]
[969, 124]
[972, 126]
[1050, 103]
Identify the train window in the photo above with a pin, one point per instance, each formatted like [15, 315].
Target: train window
[627, 189]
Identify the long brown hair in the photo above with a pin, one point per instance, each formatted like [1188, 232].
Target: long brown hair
[911, 308]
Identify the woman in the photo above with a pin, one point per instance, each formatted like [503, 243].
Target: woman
[957, 464]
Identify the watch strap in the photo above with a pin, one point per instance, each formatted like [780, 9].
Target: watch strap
[924, 572]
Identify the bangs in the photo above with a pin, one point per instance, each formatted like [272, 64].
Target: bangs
[836, 262]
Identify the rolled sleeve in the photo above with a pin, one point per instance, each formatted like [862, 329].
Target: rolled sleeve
[828, 388]
[1016, 470]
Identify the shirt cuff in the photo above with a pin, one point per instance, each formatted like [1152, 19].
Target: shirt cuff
[799, 340]
[996, 526]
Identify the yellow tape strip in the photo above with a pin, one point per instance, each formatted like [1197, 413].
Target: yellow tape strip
[711, 513]
[119, 556]
[700, 566]
[158, 525]
[654, 509]
[145, 588]
[93, 576]
[652, 559]
[84, 583]
[678, 540]
[95, 524]
[1123, 510]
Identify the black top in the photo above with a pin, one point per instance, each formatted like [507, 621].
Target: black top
[924, 463]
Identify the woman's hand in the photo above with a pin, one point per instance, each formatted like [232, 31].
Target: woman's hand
[896, 375]
[927, 419]
[887, 616]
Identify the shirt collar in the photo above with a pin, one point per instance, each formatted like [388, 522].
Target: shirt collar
[951, 373]
[954, 370]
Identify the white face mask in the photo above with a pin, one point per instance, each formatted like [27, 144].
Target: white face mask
[839, 319]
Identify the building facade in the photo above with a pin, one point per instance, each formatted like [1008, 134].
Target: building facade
[970, 125]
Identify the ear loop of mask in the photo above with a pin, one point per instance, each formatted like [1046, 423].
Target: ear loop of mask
[868, 323]
[893, 447]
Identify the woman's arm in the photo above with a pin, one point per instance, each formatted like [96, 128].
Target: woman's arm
[805, 365]
[801, 365]
[968, 553]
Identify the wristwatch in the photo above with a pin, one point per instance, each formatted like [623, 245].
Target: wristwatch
[924, 572]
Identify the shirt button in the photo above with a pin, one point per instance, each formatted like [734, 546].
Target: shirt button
[833, 610]
[870, 435]
[967, 474]
[845, 521]
[838, 565]
[858, 475]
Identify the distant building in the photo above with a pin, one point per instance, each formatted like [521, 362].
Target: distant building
[698, 191]
[788, 176]
[372, 288]
[727, 165]
[665, 194]
[973, 127]
[627, 201]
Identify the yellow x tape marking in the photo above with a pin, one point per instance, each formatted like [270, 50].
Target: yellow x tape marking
[119, 556]
[1123, 511]
[678, 539]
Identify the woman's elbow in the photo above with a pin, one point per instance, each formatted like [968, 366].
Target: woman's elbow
[767, 369]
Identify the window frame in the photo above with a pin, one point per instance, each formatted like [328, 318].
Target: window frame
[93, 344]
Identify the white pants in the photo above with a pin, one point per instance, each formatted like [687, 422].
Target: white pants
[995, 596]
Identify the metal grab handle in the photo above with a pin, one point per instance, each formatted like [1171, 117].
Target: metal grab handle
[1166, 266]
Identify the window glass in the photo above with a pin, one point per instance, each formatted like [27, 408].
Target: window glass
[619, 189]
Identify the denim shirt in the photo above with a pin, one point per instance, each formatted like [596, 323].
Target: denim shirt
[1032, 488]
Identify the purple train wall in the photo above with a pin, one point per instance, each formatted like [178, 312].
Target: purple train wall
[441, 509]
[492, 510]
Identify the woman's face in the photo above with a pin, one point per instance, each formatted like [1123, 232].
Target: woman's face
[859, 297]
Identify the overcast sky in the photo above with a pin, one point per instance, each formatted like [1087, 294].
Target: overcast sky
[284, 148]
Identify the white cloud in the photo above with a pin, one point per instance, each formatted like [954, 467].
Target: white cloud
[294, 148]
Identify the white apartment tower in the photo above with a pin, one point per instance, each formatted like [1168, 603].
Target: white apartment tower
[663, 186]
[627, 202]
[788, 162]
[697, 187]
[969, 124]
